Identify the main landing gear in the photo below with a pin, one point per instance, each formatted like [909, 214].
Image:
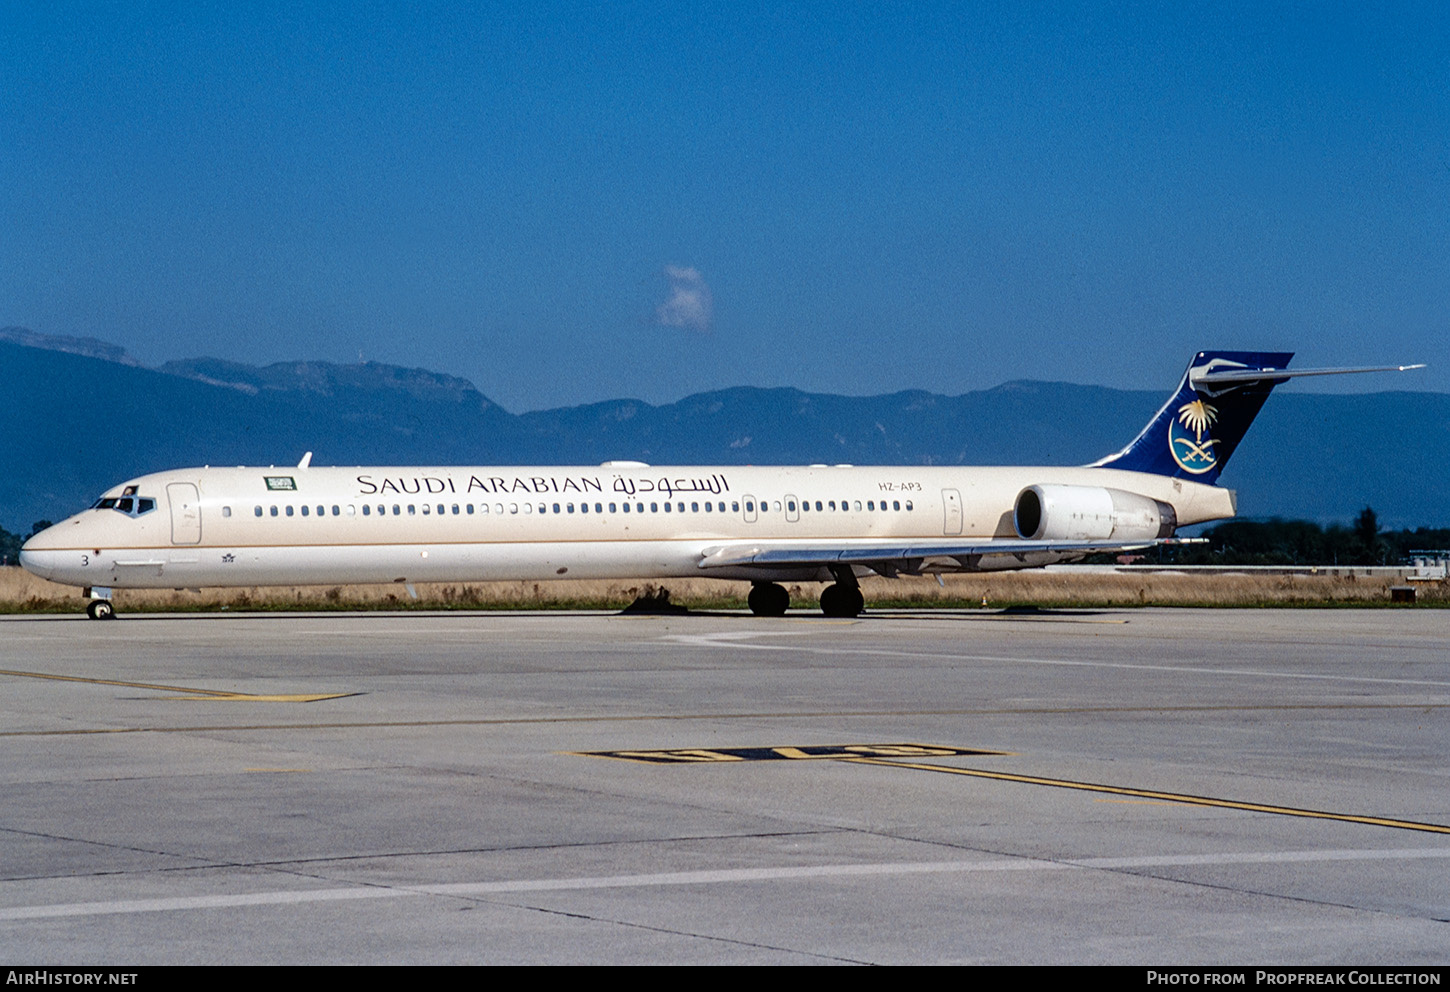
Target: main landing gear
[841, 598]
[767, 599]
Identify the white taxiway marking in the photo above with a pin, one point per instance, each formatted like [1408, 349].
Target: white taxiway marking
[723, 876]
[735, 640]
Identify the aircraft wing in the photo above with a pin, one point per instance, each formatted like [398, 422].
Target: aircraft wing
[905, 556]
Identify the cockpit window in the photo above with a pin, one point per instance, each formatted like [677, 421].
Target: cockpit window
[132, 506]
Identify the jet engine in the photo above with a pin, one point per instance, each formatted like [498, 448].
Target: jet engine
[1090, 513]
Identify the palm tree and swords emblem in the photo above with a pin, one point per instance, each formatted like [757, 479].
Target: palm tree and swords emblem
[1193, 453]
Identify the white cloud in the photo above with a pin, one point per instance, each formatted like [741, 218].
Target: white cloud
[689, 304]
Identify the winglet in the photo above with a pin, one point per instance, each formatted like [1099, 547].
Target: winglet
[306, 460]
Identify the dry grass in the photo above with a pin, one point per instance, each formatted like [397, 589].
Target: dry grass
[21, 592]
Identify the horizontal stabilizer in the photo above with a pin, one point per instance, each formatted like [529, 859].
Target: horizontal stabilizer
[1220, 376]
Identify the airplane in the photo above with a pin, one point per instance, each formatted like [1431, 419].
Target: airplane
[624, 519]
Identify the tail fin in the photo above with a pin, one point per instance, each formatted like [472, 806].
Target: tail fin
[1202, 423]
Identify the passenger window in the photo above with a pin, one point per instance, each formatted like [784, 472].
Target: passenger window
[367, 510]
[613, 507]
[528, 508]
[626, 507]
[870, 504]
[257, 512]
[412, 510]
[470, 507]
[513, 508]
[226, 510]
[655, 507]
[680, 507]
[289, 509]
[274, 511]
[908, 506]
[556, 508]
[455, 509]
[896, 504]
[351, 510]
[304, 509]
[570, 507]
[425, 509]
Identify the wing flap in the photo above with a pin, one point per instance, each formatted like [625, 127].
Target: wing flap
[901, 554]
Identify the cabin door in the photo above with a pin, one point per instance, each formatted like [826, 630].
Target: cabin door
[185, 513]
[951, 501]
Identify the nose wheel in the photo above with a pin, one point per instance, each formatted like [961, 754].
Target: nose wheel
[100, 609]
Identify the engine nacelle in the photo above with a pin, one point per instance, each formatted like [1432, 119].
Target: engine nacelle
[1090, 513]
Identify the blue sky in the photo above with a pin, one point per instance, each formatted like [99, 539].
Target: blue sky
[571, 202]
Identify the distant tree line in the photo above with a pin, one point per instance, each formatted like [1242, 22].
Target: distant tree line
[10, 543]
[1300, 542]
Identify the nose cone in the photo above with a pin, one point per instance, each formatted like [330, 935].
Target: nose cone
[37, 555]
[37, 562]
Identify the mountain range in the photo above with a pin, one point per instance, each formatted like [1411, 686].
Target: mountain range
[84, 415]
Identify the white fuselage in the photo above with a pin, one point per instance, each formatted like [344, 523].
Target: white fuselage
[276, 526]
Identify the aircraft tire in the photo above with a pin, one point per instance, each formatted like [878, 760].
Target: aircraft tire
[768, 599]
[100, 609]
[839, 601]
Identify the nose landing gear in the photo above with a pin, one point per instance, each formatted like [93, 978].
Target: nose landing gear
[99, 608]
